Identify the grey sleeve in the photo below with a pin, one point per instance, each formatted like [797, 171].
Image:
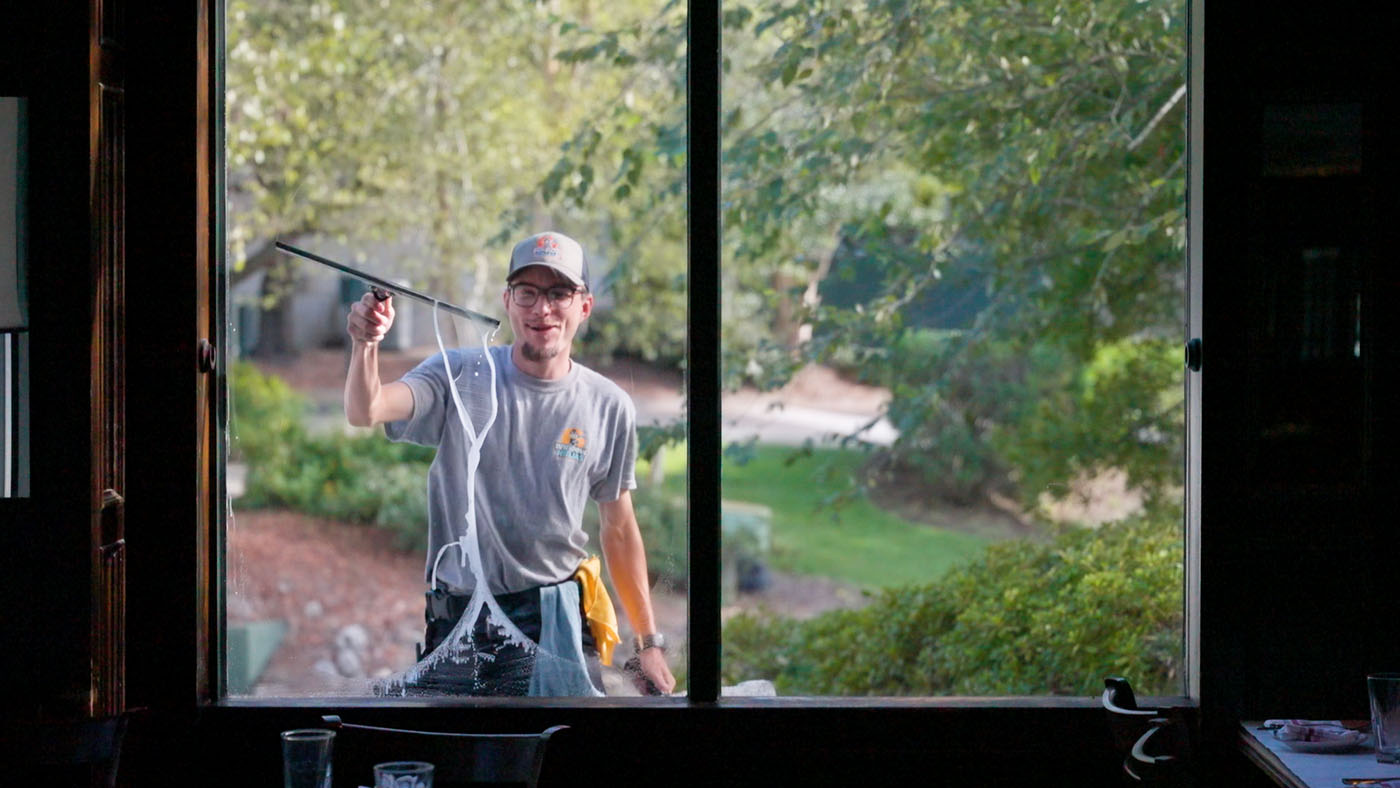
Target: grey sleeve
[618, 470]
[424, 427]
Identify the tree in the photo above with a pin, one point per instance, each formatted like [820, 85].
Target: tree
[420, 127]
[1031, 150]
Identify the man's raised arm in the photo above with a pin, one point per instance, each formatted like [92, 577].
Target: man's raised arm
[367, 400]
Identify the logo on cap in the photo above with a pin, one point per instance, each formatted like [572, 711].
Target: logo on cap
[546, 246]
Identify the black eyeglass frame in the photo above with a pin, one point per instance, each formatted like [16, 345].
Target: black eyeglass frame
[561, 296]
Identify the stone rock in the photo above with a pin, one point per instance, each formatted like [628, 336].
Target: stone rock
[753, 576]
[313, 609]
[753, 688]
[348, 663]
[354, 637]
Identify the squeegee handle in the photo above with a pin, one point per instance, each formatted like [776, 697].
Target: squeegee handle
[388, 287]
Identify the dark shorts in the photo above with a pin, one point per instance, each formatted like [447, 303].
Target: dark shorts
[489, 666]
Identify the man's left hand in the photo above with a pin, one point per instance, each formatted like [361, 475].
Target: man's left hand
[655, 670]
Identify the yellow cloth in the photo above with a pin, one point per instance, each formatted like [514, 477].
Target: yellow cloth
[598, 608]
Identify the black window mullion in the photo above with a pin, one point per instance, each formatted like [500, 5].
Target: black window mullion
[703, 385]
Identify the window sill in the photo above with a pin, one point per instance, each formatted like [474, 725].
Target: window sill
[947, 704]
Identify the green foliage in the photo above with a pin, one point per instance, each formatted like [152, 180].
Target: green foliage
[357, 479]
[428, 128]
[266, 417]
[952, 394]
[1121, 410]
[1023, 416]
[1029, 155]
[1026, 619]
[400, 495]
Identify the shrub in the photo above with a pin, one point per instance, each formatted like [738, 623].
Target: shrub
[1026, 619]
[951, 395]
[401, 491]
[1020, 416]
[1122, 409]
[265, 417]
[352, 478]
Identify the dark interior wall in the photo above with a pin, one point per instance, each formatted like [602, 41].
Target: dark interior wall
[1298, 457]
[1299, 442]
[44, 539]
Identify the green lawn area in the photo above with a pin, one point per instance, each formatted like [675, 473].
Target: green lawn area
[858, 543]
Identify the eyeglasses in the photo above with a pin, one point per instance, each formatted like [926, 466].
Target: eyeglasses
[526, 295]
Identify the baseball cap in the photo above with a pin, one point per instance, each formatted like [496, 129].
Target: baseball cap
[553, 250]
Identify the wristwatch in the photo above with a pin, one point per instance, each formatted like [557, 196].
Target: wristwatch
[644, 642]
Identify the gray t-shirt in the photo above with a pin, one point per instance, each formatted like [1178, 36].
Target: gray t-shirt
[554, 445]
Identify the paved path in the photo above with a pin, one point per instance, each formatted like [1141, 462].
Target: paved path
[788, 425]
[817, 405]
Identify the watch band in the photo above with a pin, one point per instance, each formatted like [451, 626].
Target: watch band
[654, 640]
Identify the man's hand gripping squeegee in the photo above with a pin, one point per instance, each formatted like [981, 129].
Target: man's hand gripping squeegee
[382, 288]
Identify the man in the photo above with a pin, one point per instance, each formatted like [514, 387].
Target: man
[562, 434]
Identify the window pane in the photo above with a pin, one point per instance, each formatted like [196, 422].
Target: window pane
[419, 142]
[953, 289]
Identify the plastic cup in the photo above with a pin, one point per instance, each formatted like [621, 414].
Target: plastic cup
[403, 774]
[306, 758]
[1384, 689]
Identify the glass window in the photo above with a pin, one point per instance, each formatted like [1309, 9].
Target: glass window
[417, 143]
[953, 284]
[954, 291]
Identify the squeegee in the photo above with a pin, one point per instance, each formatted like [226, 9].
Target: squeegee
[383, 287]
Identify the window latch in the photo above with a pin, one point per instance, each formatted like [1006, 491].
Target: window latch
[208, 361]
[1193, 354]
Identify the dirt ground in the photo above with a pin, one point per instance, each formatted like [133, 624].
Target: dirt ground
[346, 588]
[321, 577]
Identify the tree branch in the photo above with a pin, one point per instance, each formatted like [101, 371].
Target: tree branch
[1156, 119]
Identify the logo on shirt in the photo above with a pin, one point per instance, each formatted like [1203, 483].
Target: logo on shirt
[571, 444]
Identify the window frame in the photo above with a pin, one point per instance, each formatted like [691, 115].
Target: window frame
[705, 448]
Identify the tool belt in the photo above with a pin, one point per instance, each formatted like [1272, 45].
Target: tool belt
[599, 619]
[445, 605]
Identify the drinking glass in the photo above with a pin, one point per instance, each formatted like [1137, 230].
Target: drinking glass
[403, 774]
[306, 758]
[1384, 689]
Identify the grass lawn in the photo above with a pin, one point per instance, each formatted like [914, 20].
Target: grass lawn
[858, 543]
